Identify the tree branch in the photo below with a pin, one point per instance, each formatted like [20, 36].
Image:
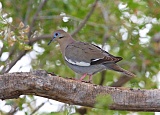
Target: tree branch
[41, 83]
[85, 20]
[46, 36]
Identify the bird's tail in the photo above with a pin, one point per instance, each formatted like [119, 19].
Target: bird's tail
[116, 67]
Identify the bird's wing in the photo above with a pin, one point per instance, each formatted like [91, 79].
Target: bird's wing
[85, 54]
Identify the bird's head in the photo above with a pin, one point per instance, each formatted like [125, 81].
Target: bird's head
[59, 35]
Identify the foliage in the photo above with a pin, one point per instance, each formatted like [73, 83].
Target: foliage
[125, 28]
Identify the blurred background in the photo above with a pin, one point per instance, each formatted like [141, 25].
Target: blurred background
[125, 28]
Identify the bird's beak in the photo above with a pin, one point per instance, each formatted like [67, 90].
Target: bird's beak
[51, 40]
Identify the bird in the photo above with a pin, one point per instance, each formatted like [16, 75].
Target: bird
[84, 58]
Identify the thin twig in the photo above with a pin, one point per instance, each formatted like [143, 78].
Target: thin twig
[85, 20]
[14, 109]
[104, 12]
[28, 11]
[36, 109]
[103, 76]
[1, 51]
[5, 70]
[35, 16]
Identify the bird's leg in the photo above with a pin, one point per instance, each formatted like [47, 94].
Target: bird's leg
[83, 77]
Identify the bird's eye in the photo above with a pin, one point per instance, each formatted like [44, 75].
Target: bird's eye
[56, 34]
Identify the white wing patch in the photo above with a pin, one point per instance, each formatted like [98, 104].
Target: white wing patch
[77, 63]
[97, 59]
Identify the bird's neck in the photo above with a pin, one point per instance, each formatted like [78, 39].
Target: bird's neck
[67, 42]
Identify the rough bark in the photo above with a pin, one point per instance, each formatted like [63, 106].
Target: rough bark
[43, 84]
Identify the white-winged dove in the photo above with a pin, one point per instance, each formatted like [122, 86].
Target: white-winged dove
[84, 58]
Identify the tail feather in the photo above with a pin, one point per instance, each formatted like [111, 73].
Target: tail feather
[116, 67]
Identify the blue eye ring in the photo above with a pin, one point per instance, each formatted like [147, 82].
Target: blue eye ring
[56, 34]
